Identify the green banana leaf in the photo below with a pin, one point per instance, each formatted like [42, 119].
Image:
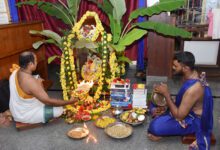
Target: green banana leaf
[37, 44]
[119, 9]
[164, 5]
[124, 59]
[164, 29]
[52, 58]
[133, 35]
[115, 29]
[73, 7]
[49, 34]
[105, 7]
[52, 9]
[117, 48]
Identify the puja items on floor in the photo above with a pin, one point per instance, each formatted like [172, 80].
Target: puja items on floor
[86, 107]
[135, 116]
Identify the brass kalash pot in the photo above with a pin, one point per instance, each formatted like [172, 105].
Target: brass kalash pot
[158, 99]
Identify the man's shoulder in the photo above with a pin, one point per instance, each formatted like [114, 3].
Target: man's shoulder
[196, 88]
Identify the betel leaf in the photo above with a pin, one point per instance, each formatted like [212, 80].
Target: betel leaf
[115, 29]
[132, 36]
[49, 34]
[119, 9]
[52, 58]
[164, 29]
[163, 6]
[52, 9]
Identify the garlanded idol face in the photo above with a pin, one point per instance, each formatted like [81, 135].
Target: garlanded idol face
[177, 68]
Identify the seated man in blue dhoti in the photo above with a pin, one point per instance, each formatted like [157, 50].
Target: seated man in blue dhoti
[192, 111]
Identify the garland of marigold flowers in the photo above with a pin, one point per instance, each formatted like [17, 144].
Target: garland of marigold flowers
[104, 67]
[113, 67]
[68, 73]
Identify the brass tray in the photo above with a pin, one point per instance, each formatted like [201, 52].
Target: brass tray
[78, 133]
[119, 130]
[131, 123]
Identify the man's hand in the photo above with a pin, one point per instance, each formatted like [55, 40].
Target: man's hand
[73, 100]
[158, 111]
[162, 89]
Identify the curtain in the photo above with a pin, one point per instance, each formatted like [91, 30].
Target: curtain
[141, 43]
[13, 10]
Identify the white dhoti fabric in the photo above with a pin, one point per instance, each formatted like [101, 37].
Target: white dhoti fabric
[29, 110]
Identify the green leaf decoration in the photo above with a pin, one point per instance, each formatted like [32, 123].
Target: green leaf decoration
[52, 9]
[119, 9]
[105, 6]
[118, 48]
[164, 29]
[37, 44]
[124, 59]
[73, 6]
[132, 36]
[115, 28]
[52, 58]
[49, 34]
[164, 5]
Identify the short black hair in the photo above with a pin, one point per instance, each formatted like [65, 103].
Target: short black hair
[25, 58]
[186, 58]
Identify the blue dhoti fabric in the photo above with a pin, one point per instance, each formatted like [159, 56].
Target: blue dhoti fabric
[166, 124]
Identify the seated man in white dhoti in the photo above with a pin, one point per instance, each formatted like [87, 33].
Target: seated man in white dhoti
[29, 103]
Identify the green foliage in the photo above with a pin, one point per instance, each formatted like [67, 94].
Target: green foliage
[106, 6]
[115, 29]
[132, 36]
[52, 58]
[73, 7]
[124, 59]
[119, 9]
[49, 34]
[57, 10]
[163, 6]
[37, 44]
[164, 29]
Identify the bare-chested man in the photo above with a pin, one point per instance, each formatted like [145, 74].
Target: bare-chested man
[192, 111]
[29, 103]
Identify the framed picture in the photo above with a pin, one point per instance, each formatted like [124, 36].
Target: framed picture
[4, 12]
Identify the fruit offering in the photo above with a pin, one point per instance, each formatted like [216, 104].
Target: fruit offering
[134, 117]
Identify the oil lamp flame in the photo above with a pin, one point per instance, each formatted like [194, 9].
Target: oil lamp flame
[91, 138]
[85, 126]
